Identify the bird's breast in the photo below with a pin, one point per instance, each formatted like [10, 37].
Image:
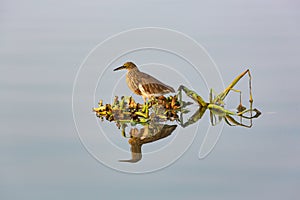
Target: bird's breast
[132, 81]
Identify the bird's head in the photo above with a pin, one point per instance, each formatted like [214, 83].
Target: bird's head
[127, 65]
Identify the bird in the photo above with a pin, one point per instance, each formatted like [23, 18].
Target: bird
[144, 84]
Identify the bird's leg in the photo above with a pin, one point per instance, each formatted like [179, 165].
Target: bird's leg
[145, 99]
[145, 108]
[145, 103]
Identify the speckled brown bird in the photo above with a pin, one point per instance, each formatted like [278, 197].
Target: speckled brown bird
[144, 84]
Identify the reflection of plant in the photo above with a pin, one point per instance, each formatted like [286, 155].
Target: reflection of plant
[126, 110]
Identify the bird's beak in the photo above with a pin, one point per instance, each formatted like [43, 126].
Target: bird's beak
[119, 68]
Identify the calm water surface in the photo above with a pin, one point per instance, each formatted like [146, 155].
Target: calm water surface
[42, 46]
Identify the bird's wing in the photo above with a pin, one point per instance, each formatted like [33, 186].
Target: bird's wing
[154, 86]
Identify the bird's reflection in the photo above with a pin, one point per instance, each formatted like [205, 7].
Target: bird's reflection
[149, 133]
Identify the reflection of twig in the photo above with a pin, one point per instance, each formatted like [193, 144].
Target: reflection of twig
[195, 117]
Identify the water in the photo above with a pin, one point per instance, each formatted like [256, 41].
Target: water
[42, 46]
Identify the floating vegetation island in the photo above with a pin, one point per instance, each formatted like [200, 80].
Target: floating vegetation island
[172, 108]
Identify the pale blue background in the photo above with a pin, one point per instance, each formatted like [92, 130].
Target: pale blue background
[42, 44]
